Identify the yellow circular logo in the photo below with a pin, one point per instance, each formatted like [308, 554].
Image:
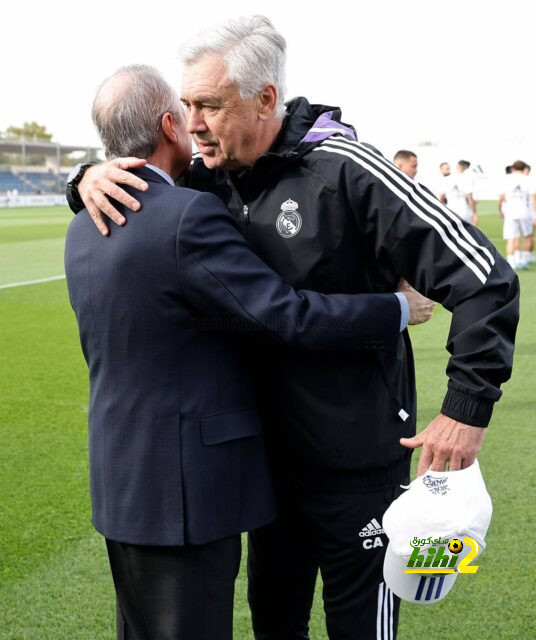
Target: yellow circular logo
[455, 546]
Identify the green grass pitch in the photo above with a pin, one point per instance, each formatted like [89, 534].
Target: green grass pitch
[54, 579]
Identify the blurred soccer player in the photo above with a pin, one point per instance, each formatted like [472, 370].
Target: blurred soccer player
[407, 162]
[458, 193]
[444, 169]
[444, 173]
[514, 208]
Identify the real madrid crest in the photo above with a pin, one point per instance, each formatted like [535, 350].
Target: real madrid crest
[289, 220]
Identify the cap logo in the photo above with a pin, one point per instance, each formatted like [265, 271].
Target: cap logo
[437, 486]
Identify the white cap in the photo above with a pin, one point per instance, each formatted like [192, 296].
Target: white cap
[446, 505]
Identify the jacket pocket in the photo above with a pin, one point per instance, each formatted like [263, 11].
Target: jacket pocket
[387, 375]
[231, 425]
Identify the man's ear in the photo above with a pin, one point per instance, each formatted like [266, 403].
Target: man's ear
[267, 101]
[169, 126]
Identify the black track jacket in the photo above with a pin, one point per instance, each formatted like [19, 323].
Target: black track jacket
[331, 214]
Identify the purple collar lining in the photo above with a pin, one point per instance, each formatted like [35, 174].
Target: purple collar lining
[325, 127]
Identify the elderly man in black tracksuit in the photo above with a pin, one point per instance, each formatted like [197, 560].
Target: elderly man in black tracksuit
[331, 214]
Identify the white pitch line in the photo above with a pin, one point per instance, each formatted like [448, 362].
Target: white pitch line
[27, 282]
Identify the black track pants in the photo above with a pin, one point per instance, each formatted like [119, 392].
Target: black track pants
[340, 534]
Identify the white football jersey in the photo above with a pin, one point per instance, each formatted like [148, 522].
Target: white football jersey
[517, 189]
[457, 186]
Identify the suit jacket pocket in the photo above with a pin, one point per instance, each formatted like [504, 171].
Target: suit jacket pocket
[231, 425]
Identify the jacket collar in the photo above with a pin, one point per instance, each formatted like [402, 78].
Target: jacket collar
[308, 124]
[148, 174]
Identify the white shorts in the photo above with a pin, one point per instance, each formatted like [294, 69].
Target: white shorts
[517, 228]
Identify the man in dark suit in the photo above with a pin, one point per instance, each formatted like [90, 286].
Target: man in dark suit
[177, 461]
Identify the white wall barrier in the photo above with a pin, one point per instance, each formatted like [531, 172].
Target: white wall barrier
[46, 200]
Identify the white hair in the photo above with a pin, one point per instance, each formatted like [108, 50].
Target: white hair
[253, 51]
[127, 110]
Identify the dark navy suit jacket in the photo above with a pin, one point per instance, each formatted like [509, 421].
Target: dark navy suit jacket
[175, 444]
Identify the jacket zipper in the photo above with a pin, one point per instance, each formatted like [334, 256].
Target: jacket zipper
[245, 209]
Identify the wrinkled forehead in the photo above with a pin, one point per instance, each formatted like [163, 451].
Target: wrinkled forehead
[205, 77]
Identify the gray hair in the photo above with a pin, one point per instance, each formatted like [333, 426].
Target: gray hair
[253, 51]
[128, 108]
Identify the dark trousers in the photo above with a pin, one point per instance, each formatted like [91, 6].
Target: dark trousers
[175, 593]
[337, 533]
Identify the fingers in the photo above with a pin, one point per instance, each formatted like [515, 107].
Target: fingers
[427, 453]
[100, 183]
[97, 218]
[429, 458]
[447, 442]
[456, 462]
[421, 309]
[111, 189]
[411, 443]
[455, 459]
[438, 460]
[428, 311]
[421, 312]
[425, 461]
[104, 205]
[464, 461]
[438, 449]
[125, 177]
[129, 163]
